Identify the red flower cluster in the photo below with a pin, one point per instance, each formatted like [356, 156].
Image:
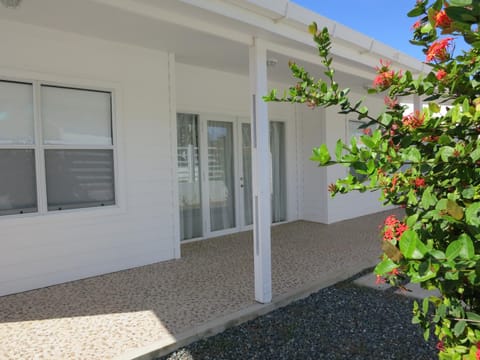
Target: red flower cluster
[386, 76]
[367, 131]
[416, 24]
[420, 183]
[413, 120]
[390, 103]
[393, 228]
[432, 138]
[442, 21]
[384, 79]
[440, 346]
[439, 50]
[440, 75]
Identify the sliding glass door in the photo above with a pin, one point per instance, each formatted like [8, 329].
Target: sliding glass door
[214, 166]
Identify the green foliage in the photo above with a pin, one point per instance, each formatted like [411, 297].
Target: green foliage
[427, 162]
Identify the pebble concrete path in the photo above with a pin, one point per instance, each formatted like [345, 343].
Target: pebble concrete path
[105, 316]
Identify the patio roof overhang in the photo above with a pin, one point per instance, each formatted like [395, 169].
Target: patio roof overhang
[228, 35]
[216, 33]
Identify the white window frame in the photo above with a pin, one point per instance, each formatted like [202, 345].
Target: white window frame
[39, 149]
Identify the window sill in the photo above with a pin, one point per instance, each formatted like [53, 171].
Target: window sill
[83, 213]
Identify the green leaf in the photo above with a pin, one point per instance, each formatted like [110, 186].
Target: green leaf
[441, 205]
[339, 149]
[386, 119]
[475, 154]
[460, 14]
[412, 154]
[425, 303]
[426, 28]
[473, 316]
[321, 155]
[385, 266]
[471, 214]
[412, 197]
[428, 198]
[433, 107]
[417, 11]
[411, 246]
[460, 2]
[426, 271]
[312, 28]
[459, 327]
[437, 254]
[454, 210]
[469, 192]
[446, 152]
[412, 219]
[462, 247]
[426, 334]
[367, 141]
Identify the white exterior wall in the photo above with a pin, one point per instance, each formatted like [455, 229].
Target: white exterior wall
[327, 126]
[201, 90]
[41, 250]
[314, 178]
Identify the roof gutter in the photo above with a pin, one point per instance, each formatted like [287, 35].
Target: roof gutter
[289, 13]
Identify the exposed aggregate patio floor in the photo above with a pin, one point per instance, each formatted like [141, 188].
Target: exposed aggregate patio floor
[105, 316]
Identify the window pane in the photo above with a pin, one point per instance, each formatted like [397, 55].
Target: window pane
[18, 192]
[79, 178]
[247, 173]
[188, 169]
[279, 188]
[16, 113]
[221, 175]
[76, 117]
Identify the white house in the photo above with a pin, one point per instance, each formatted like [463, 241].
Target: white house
[126, 128]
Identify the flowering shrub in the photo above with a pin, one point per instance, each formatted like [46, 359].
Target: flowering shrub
[427, 161]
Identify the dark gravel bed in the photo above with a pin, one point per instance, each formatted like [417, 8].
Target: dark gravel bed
[343, 321]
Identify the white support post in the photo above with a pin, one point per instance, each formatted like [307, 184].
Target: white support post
[261, 173]
[417, 103]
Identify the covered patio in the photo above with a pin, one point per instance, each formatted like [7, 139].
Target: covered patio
[136, 311]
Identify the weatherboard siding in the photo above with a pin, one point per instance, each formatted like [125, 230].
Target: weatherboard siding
[41, 250]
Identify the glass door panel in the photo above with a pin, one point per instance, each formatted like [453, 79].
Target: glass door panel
[188, 170]
[279, 188]
[221, 172]
[247, 174]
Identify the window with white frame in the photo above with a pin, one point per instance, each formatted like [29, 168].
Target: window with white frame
[56, 148]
